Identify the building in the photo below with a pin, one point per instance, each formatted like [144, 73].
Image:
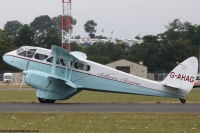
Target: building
[130, 67]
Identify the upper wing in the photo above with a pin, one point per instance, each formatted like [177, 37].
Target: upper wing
[72, 56]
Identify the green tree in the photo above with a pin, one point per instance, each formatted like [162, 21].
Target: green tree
[175, 25]
[100, 59]
[52, 37]
[101, 37]
[5, 46]
[75, 47]
[14, 27]
[57, 22]
[41, 24]
[25, 36]
[176, 30]
[150, 39]
[138, 37]
[196, 38]
[77, 37]
[148, 53]
[89, 27]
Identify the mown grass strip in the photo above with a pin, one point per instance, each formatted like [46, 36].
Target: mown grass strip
[13, 85]
[29, 96]
[101, 122]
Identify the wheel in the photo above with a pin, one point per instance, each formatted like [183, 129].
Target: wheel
[42, 100]
[51, 101]
[182, 100]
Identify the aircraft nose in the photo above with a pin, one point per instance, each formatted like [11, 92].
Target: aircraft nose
[4, 57]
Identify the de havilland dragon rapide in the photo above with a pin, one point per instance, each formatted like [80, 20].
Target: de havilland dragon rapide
[59, 74]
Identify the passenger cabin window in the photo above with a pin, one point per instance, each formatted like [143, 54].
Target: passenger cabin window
[40, 56]
[81, 66]
[63, 62]
[51, 60]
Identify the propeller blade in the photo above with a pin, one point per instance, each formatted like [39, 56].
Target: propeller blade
[27, 64]
[22, 82]
[24, 73]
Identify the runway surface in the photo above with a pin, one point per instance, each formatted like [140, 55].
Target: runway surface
[99, 107]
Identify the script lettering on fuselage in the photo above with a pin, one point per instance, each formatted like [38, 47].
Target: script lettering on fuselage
[108, 76]
[126, 80]
[113, 77]
[182, 77]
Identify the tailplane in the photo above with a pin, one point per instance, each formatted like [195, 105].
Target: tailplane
[183, 76]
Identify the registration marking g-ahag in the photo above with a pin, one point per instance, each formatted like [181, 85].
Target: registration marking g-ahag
[182, 77]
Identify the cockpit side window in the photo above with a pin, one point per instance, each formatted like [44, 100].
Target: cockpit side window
[51, 60]
[27, 53]
[30, 53]
[81, 66]
[40, 56]
[19, 50]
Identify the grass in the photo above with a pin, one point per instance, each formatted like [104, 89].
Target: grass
[13, 85]
[98, 122]
[101, 122]
[29, 96]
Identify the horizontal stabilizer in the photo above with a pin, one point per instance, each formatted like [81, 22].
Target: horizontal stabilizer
[170, 85]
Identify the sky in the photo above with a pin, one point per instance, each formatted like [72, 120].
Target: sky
[127, 18]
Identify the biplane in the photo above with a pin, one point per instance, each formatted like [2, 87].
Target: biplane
[59, 74]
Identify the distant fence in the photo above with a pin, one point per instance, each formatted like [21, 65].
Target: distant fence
[158, 76]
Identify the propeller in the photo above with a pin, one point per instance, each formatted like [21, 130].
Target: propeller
[23, 77]
[24, 72]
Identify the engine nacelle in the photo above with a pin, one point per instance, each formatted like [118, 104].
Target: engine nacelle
[55, 90]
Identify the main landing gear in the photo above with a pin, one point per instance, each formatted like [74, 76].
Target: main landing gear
[182, 100]
[42, 100]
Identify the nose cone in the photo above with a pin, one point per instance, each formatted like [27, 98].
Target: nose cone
[5, 58]
[8, 57]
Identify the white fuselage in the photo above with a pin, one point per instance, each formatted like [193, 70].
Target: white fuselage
[91, 76]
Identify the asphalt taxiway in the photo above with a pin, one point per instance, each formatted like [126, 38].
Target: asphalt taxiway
[99, 107]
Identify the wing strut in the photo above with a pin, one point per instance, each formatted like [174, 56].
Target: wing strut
[66, 69]
[53, 69]
[53, 77]
[60, 52]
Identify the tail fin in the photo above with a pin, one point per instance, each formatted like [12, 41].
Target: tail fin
[183, 76]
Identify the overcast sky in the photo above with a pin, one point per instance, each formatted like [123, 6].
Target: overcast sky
[127, 18]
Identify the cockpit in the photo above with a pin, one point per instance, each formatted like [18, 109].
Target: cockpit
[45, 55]
[32, 52]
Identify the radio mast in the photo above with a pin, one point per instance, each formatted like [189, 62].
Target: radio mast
[66, 24]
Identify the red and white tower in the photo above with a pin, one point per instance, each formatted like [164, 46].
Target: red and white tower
[66, 24]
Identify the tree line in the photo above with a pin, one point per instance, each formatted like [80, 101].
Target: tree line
[178, 42]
